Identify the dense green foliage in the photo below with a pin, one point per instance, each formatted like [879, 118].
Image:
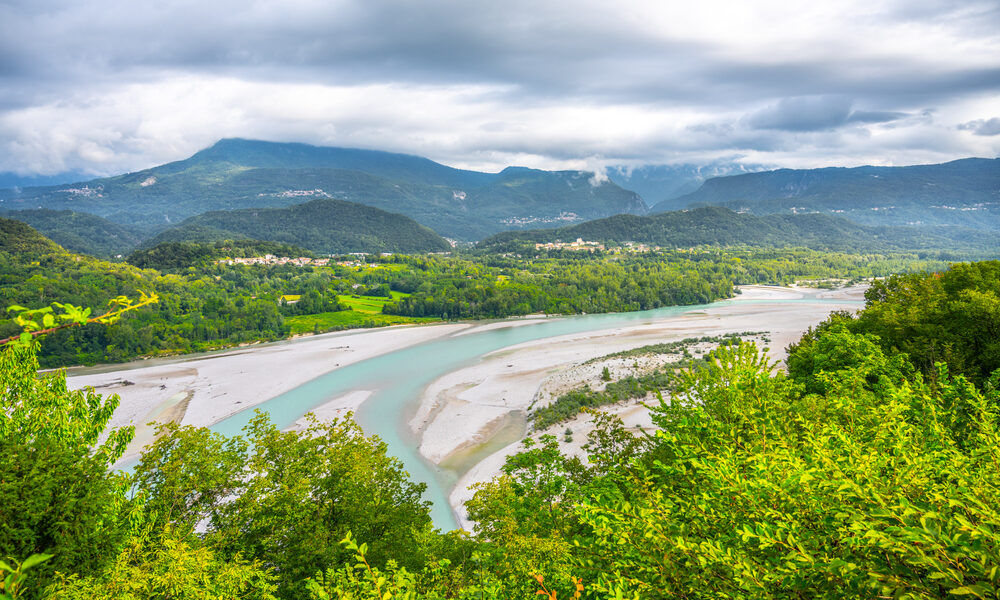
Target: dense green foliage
[961, 192]
[57, 500]
[326, 226]
[471, 290]
[238, 174]
[952, 318]
[56, 495]
[297, 494]
[722, 227]
[571, 282]
[195, 311]
[855, 475]
[18, 240]
[162, 565]
[202, 305]
[80, 232]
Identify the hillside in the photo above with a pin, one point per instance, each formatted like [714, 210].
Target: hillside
[236, 174]
[22, 241]
[963, 192]
[80, 232]
[722, 227]
[327, 226]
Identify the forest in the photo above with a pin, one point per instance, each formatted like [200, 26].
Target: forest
[205, 304]
[868, 469]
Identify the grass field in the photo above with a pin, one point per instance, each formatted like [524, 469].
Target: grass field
[369, 304]
[366, 311]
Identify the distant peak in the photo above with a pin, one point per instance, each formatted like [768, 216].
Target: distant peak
[518, 170]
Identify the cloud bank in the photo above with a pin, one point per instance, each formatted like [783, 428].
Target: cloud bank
[106, 86]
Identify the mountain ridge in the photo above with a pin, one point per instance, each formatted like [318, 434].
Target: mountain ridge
[714, 225]
[236, 173]
[964, 192]
[323, 225]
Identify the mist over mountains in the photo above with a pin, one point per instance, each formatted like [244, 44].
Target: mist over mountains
[113, 215]
[664, 185]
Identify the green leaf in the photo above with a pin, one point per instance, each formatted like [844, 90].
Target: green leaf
[977, 590]
[35, 559]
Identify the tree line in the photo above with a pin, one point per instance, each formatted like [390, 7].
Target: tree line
[205, 304]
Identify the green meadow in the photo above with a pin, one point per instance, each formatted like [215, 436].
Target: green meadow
[366, 311]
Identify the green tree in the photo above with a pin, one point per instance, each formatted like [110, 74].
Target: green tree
[288, 498]
[164, 567]
[58, 496]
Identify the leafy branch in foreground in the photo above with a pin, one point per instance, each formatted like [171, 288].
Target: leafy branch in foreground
[42, 321]
[10, 586]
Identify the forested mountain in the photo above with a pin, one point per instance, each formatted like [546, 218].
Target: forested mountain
[327, 225]
[963, 192]
[237, 173]
[722, 227]
[80, 232]
[20, 242]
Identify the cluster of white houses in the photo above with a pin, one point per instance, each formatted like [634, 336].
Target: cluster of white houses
[584, 246]
[579, 244]
[270, 259]
[301, 261]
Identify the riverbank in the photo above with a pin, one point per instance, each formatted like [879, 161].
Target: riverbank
[460, 412]
[465, 417]
[217, 386]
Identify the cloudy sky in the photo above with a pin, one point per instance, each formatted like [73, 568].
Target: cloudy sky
[108, 86]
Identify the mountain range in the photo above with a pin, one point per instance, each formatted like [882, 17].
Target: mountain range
[187, 200]
[963, 192]
[236, 173]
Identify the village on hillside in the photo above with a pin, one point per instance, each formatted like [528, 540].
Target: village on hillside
[580, 245]
[301, 261]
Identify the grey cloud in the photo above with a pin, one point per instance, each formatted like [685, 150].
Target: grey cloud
[528, 54]
[805, 113]
[974, 16]
[875, 116]
[544, 49]
[985, 127]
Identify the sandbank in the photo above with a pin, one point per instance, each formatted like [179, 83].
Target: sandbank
[458, 410]
[469, 419]
[217, 386]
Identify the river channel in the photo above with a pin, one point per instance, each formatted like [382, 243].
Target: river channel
[397, 380]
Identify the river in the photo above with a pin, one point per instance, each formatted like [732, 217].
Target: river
[398, 378]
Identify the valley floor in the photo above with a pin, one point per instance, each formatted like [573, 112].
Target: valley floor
[468, 420]
[461, 412]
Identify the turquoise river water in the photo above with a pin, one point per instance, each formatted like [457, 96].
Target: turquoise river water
[398, 378]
